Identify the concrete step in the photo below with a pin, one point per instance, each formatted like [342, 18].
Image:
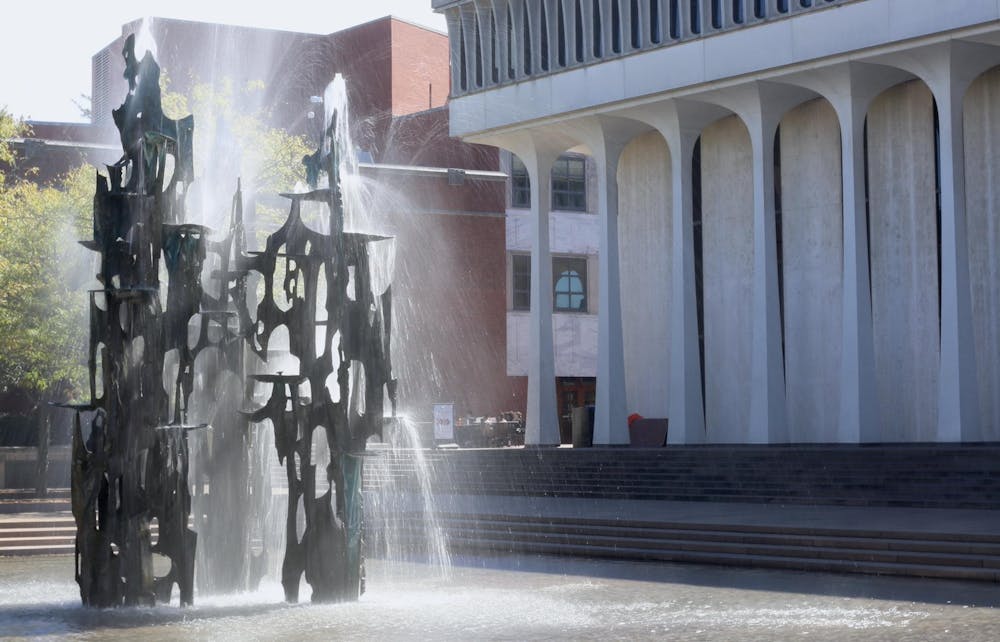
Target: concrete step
[728, 559]
[948, 555]
[783, 550]
[747, 536]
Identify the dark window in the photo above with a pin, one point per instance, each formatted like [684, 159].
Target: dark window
[675, 19]
[543, 29]
[569, 283]
[527, 38]
[569, 277]
[510, 43]
[636, 27]
[521, 282]
[717, 14]
[738, 11]
[561, 35]
[579, 32]
[569, 184]
[695, 16]
[463, 80]
[495, 71]
[598, 38]
[654, 22]
[479, 57]
[616, 27]
[520, 184]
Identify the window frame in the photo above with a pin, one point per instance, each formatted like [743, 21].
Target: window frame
[577, 265]
[524, 304]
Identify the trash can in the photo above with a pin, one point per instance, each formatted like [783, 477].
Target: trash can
[583, 427]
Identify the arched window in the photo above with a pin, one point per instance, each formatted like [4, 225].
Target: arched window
[759, 8]
[695, 16]
[717, 14]
[579, 31]
[569, 276]
[675, 19]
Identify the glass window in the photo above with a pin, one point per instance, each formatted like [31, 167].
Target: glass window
[570, 284]
[520, 185]
[569, 184]
[521, 282]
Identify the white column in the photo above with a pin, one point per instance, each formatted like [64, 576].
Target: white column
[542, 421]
[610, 419]
[958, 403]
[858, 404]
[767, 392]
[687, 410]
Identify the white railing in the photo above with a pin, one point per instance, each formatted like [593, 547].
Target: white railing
[498, 42]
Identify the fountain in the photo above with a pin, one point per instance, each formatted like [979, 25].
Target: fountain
[130, 473]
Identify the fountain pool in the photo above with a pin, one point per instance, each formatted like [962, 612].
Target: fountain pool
[522, 598]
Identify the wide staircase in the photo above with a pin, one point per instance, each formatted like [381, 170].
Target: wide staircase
[926, 511]
[939, 475]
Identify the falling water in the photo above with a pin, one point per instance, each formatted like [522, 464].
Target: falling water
[403, 520]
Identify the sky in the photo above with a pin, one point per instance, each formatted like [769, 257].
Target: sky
[46, 46]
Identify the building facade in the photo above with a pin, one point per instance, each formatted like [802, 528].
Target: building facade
[798, 233]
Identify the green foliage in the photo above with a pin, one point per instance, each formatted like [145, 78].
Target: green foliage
[43, 331]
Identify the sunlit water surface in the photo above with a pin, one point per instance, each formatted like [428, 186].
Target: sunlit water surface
[526, 598]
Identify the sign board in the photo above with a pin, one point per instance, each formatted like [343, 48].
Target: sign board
[444, 421]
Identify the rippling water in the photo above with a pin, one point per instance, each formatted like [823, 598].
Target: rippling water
[527, 598]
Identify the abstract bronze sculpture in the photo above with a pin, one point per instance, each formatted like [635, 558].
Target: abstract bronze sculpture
[131, 471]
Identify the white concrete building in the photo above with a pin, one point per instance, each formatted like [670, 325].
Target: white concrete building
[795, 206]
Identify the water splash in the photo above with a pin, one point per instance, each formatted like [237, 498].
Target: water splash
[404, 525]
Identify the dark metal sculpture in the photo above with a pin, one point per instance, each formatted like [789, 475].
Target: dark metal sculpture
[339, 331]
[132, 468]
[130, 471]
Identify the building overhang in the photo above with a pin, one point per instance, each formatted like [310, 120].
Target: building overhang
[853, 32]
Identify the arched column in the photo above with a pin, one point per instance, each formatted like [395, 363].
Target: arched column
[680, 122]
[606, 138]
[850, 88]
[541, 418]
[761, 106]
[948, 69]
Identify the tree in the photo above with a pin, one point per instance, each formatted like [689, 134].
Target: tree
[42, 302]
[44, 273]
